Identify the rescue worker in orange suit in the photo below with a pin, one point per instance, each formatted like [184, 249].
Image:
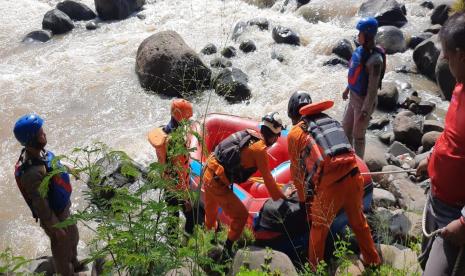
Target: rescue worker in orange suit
[177, 167]
[32, 167]
[234, 160]
[366, 71]
[325, 173]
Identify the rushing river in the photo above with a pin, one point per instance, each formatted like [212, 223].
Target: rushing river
[84, 84]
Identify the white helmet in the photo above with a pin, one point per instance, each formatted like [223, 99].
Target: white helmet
[273, 122]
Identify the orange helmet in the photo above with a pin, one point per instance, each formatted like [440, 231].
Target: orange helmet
[181, 109]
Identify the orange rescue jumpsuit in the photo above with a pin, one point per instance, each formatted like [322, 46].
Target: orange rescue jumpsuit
[330, 197]
[219, 194]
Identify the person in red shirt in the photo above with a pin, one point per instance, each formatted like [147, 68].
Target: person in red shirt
[446, 165]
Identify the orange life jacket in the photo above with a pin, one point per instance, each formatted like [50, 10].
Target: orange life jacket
[159, 140]
[328, 156]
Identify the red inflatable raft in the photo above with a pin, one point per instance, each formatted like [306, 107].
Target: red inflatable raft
[253, 194]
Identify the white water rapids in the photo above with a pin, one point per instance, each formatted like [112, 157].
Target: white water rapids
[84, 84]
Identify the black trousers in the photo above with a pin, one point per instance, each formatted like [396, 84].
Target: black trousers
[172, 201]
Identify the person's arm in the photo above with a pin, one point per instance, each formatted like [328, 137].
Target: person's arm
[374, 74]
[261, 157]
[297, 174]
[31, 181]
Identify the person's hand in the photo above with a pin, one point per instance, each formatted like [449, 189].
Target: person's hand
[345, 94]
[454, 232]
[422, 168]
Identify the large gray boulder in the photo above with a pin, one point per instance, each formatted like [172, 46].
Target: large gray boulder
[343, 49]
[255, 258]
[429, 139]
[432, 125]
[261, 3]
[407, 129]
[444, 78]
[387, 12]
[39, 35]
[117, 9]
[232, 84]
[415, 40]
[374, 155]
[410, 196]
[385, 180]
[57, 22]
[405, 225]
[426, 56]
[401, 259]
[76, 11]
[166, 65]
[383, 198]
[391, 39]
[283, 35]
[440, 14]
[388, 97]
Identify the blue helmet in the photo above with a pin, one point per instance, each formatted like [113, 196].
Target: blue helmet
[368, 25]
[26, 128]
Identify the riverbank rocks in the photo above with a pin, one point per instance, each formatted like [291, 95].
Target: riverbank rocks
[444, 78]
[379, 123]
[386, 138]
[398, 148]
[440, 14]
[112, 176]
[262, 23]
[435, 29]
[426, 56]
[117, 9]
[57, 22]
[343, 49]
[388, 97]
[335, 60]
[405, 225]
[385, 180]
[92, 25]
[239, 29]
[410, 196]
[232, 84]
[374, 155]
[432, 125]
[427, 4]
[283, 35]
[39, 35]
[209, 49]
[383, 198]
[229, 52]
[387, 12]
[261, 3]
[417, 39]
[391, 39]
[255, 257]
[425, 108]
[220, 62]
[429, 139]
[76, 11]
[407, 129]
[166, 65]
[315, 12]
[402, 259]
[247, 46]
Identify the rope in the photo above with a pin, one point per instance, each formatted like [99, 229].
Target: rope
[389, 172]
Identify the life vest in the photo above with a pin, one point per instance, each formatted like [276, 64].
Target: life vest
[228, 154]
[358, 75]
[59, 189]
[178, 165]
[327, 151]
